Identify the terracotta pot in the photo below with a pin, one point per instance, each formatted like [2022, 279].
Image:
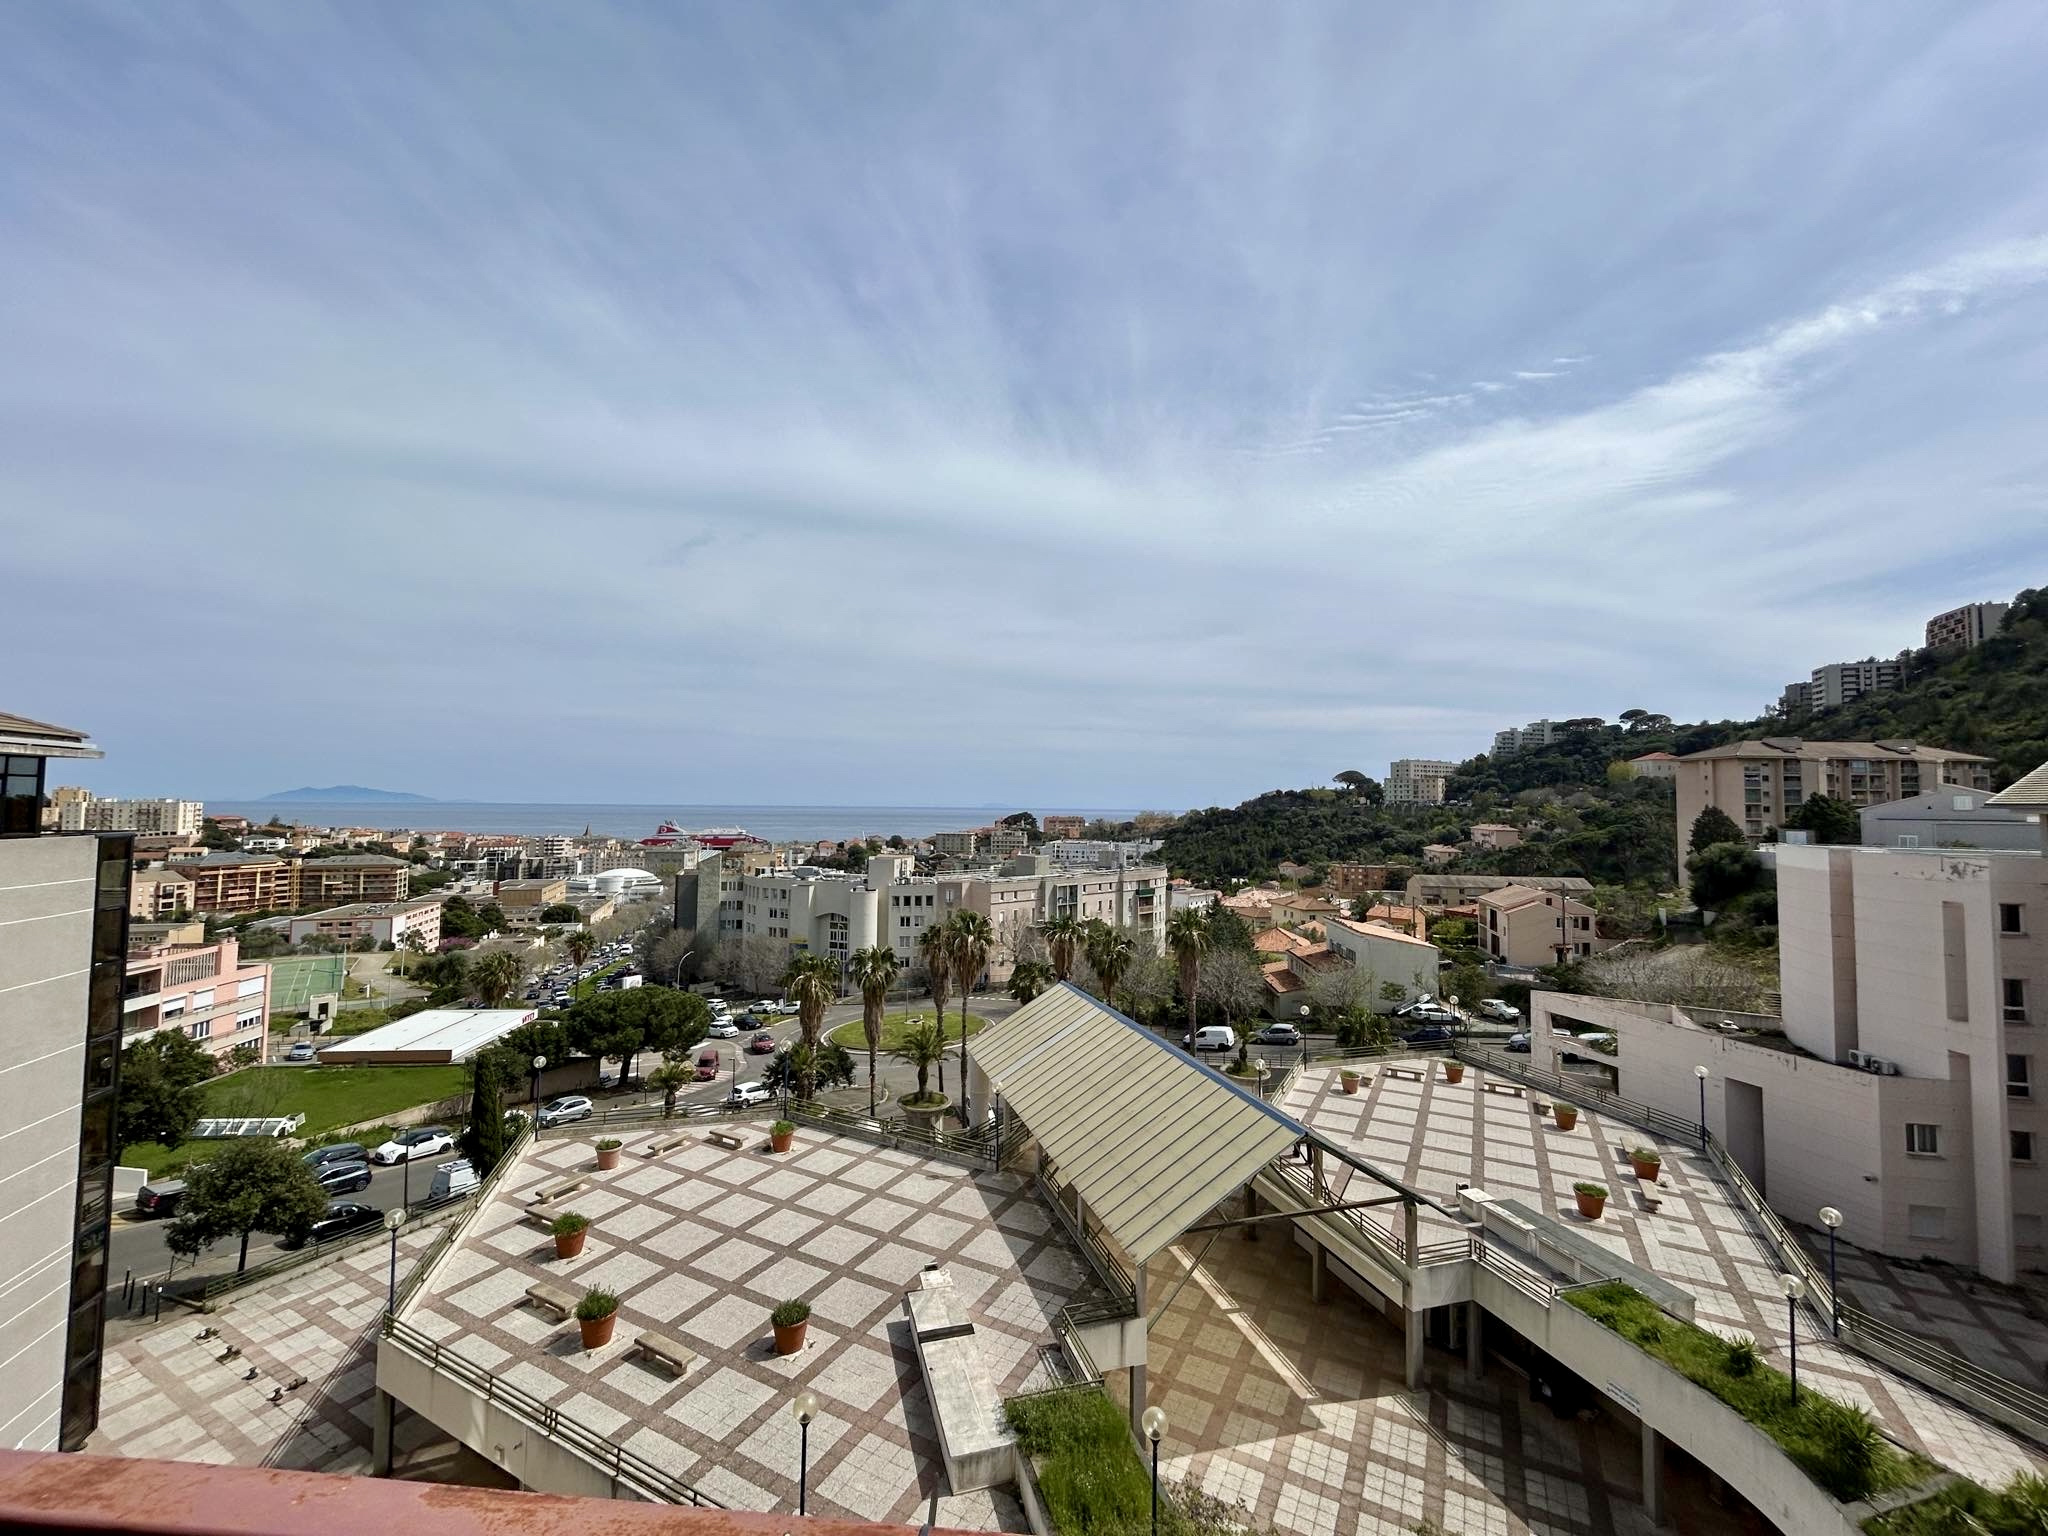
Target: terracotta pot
[791, 1339]
[568, 1247]
[1348, 1081]
[1647, 1172]
[607, 1158]
[1565, 1118]
[1590, 1206]
[1454, 1071]
[780, 1141]
[597, 1332]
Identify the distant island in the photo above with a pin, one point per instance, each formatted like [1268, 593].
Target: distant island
[350, 794]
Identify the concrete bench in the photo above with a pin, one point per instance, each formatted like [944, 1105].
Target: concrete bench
[666, 1144]
[672, 1353]
[554, 1298]
[548, 1197]
[1513, 1090]
[732, 1141]
[1412, 1074]
[974, 1441]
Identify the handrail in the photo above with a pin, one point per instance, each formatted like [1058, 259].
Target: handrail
[1109, 1269]
[217, 1286]
[1586, 1094]
[624, 1466]
[1392, 1245]
[479, 1198]
[979, 1147]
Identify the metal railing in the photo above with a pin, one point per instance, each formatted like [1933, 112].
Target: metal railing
[479, 1198]
[217, 1286]
[1583, 1092]
[623, 1466]
[978, 1148]
[1392, 1247]
[1522, 1276]
[1116, 1278]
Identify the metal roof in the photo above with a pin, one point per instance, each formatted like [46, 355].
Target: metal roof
[452, 1034]
[1151, 1138]
[2029, 793]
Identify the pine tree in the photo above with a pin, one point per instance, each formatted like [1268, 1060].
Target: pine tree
[1713, 825]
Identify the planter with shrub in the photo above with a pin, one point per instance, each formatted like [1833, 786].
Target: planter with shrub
[781, 1134]
[1347, 1080]
[1566, 1115]
[791, 1321]
[570, 1229]
[925, 1109]
[1592, 1199]
[1648, 1163]
[1454, 1071]
[607, 1153]
[596, 1315]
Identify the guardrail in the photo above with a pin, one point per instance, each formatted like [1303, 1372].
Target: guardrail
[1109, 1269]
[1391, 1246]
[625, 1467]
[217, 1286]
[1580, 1091]
[478, 1198]
[979, 1149]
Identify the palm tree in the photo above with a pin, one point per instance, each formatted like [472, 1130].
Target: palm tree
[874, 971]
[924, 1047]
[669, 1079]
[1187, 935]
[1029, 978]
[935, 949]
[579, 945]
[1110, 954]
[972, 940]
[496, 977]
[1062, 936]
[812, 983]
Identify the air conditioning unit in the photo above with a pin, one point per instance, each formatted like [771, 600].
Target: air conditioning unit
[1888, 1068]
[1860, 1059]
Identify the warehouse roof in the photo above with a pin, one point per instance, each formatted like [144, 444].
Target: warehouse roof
[435, 1035]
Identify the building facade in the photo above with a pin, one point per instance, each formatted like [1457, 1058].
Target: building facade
[395, 923]
[1844, 682]
[1417, 780]
[64, 911]
[1537, 733]
[205, 990]
[1969, 626]
[1952, 817]
[158, 895]
[238, 882]
[1525, 927]
[1056, 826]
[351, 877]
[173, 818]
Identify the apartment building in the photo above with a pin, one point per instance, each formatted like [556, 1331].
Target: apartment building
[1417, 780]
[1355, 879]
[1056, 826]
[173, 818]
[205, 990]
[1757, 783]
[1537, 733]
[1522, 926]
[156, 895]
[1952, 817]
[1969, 626]
[523, 901]
[1434, 891]
[1494, 834]
[394, 923]
[64, 911]
[376, 877]
[1387, 955]
[238, 882]
[1844, 682]
[1654, 765]
[1097, 853]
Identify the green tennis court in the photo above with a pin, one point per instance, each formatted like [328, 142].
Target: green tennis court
[300, 977]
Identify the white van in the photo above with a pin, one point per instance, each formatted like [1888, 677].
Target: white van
[452, 1179]
[1213, 1037]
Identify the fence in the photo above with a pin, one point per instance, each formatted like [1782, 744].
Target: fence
[1109, 1269]
[1583, 1092]
[213, 1287]
[479, 1198]
[978, 1149]
[625, 1467]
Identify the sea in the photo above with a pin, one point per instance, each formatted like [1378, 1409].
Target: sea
[775, 823]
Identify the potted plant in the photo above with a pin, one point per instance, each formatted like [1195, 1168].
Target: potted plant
[1454, 1071]
[790, 1320]
[596, 1315]
[781, 1134]
[607, 1153]
[1592, 1199]
[1648, 1162]
[570, 1229]
[1566, 1115]
[1347, 1080]
[924, 1047]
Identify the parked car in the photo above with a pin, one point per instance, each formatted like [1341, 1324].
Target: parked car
[1428, 1034]
[159, 1197]
[763, 1005]
[1278, 1034]
[1212, 1037]
[1518, 1042]
[340, 1152]
[786, 1010]
[719, 1007]
[1505, 1013]
[409, 1146]
[763, 1044]
[723, 1029]
[343, 1178]
[452, 1179]
[1431, 1013]
[571, 1106]
[706, 1070]
[1424, 1001]
[302, 1050]
[342, 1218]
[750, 1093]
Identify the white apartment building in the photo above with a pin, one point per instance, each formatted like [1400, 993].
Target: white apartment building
[1095, 852]
[1417, 780]
[175, 818]
[1843, 682]
[1970, 625]
[1537, 733]
[382, 922]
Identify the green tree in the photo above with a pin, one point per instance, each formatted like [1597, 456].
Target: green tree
[623, 1024]
[1827, 820]
[935, 952]
[1188, 937]
[1713, 825]
[459, 919]
[1028, 978]
[484, 1139]
[972, 940]
[1228, 931]
[252, 1184]
[873, 970]
[542, 1037]
[924, 1047]
[560, 912]
[1722, 873]
[812, 983]
[161, 1096]
[1109, 955]
[496, 977]
[1062, 935]
[668, 1080]
[578, 945]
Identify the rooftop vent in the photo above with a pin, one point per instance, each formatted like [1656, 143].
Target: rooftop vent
[1903, 748]
[1783, 743]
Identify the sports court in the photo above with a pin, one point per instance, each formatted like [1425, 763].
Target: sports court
[300, 977]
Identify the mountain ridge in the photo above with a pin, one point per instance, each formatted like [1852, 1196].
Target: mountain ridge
[351, 794]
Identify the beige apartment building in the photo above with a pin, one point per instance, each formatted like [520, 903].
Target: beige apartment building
[238, 882]
[1757, 783]
[1417, 780]
[1522, 926]
[351, 877]
[170, 818]
[523, 901]
[395, 923]
[157, 895]
[1495, 834]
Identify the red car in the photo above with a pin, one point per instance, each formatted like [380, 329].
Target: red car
[762, 1044]
[707, 1067]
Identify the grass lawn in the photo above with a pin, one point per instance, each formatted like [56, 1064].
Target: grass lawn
[584, 989]
[895, 1024]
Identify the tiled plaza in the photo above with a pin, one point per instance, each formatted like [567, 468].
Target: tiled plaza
[1437, 1135]
[701, 1243]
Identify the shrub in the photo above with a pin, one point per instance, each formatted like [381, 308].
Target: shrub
[1842, 1448]
[790, 1313]
[1742, 1357]
[1590, 1190]
[609, 1144]
[1648, 1155]
[596, 1304]
[569, 1223]
[782, 1128]
[1562, 1108]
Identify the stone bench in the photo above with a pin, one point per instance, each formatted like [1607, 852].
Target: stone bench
[1412, 1074]
[666, 1144]
[732, 1141]
[672, 1353]
[547, 1197]
[974, 1441]
[1513, 1090]
[558, 1301]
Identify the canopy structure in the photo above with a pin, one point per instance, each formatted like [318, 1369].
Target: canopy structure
[1151, 1138]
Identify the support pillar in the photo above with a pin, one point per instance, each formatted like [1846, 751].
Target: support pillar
[1475, 1349]
[1318, 1271]
[1413, 1317]
[1411, 1225]
[1653, 1475]
[1138, 1370]
[1251, 1209]
[381, 1405]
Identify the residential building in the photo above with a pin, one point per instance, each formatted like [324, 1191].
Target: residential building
[238, 882]
[1525, 927]
[1654, 765]
[1254, 905]
[204, 989]
[1757, 783]
[1844, 682]
[377, 877]
[1494, 834]
[1294, 909]
[1184, 894]
[1537, 733]
[159, 894]
[174, 818]
[1097, 853]
[1387, 954]
[1356, 879]
[1417, 780]
[64, 911]
[1057, 826]
[395, 923]
[1796, 700]
[1435, 891]
[955, 843]
[523, 901]
[1970, 625]
[1436, 855]
[62, 803]
[1952, 817]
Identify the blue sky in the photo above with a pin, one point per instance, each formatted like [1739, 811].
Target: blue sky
[1141, 405]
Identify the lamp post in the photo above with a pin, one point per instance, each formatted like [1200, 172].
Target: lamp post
[1154, 1422]
[393, 1220]
[1304, 1034]
[1831, 1219]
[1456, 1017]
[1701, 1074]
[1794, 1289]
[803, 1408]
[676, 977]
[1259, 1066]
[539, 1064]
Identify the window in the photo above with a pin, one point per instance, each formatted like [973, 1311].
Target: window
[2022, 1146]
[21, 796]
[2012, 917]
[2018, 1075]
[1929, 1223]
[1923, 1140]
[2015, 1000]
[1906, 840]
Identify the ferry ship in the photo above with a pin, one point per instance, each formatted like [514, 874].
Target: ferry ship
[668, 834]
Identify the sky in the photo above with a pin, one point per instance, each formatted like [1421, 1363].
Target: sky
[1141, 405]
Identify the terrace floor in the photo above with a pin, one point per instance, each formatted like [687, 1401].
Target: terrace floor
[1437, 1135]
[700, 1244]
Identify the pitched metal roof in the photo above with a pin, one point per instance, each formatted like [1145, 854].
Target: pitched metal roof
[2028, 793]
[1151, 1138]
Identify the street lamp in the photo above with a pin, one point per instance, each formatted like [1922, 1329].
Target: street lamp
[1259, 1066]
[1794, 1289]
[1154, 1422]
[539, 1063]
[1701, 1074]
[803, 1408]
[393, 1220]
[1831, 1219]
[676, 976]
[1304, 1034]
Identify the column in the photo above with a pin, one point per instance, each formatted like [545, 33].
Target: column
[1413, 1317]
[1475, 1350]
[380, 1433]
[1318, 1269]
[1138, 1369]
[1653, 1475]
[1251, 1208]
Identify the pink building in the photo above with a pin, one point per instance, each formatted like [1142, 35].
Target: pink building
[203, 989]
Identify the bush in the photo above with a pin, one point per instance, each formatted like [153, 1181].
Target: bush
[609, 1144]
[782, 1128]
[1649, 1156]
[790, 1313]
[1590, 1190]
[569, 1223]
[1742, 1357]
[596, 1304]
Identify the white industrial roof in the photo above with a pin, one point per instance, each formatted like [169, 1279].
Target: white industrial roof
[446, 1034]
[1152, 1138]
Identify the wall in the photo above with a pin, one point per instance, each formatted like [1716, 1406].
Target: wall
[1817, 949]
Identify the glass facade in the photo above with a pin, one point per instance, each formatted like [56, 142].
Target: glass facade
[95, 1204]
[21, 796]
